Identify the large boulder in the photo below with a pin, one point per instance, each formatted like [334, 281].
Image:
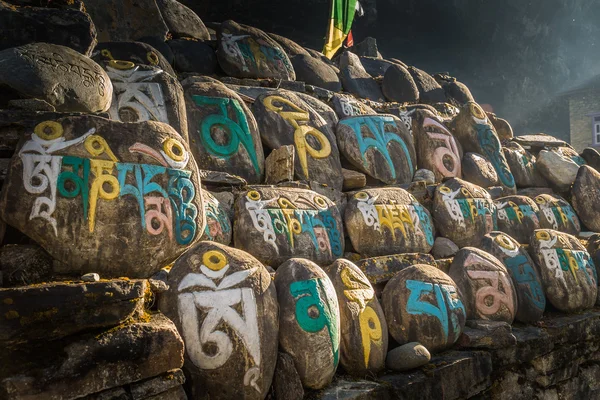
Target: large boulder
[556, 213]
[476, 133]
[285, 119]
[58, 75]
[568, 272]
[531, 300]
[398, 85]
[364, 334]
[585, 197]
[437, 149]
[89, 190]
[356, 80]
[378, 145]
[559, 170]
[309, 321]
[485, 284]
[388, 221]
[315, 72]
[224, 303]
[423, 304]
[247, 52]
[518, 216]
[463, 212]
[135, 52]
[276, 224]
[181, 21]
[65, 27]
[224, 133]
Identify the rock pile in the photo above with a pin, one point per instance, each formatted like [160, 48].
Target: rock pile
[222, 210]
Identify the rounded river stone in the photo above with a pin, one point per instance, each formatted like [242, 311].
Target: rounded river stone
[518, 216]
[139, 53]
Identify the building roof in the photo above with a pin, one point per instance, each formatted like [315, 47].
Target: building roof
[589, 84]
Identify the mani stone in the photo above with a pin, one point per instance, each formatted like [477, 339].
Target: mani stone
[89, 190]
[135, 52]
[181, 21]
[568, 272]
[276, 224]
[24, 264]
[387, 221]
[398, 85]
[556, 213]
[356, 80]
[531, 300]
[364, 334]
[479, 171]
[408, 356]
[378, 145]
[423, 304]
[223, 133]
[145, 93]
[585, 197]
[476, 134]
[379, 270]
[315, 72]
[518, 216]
[224, 303]
[247, 52]
[429, 90]
[522, 165]
[485, 284]
[285, 119]
[325, 111]
[463, 212]
[218, 225]
[560, 171]
[58, 75]
[437, 149]
[345, 105]
[309, 321]
[109, 16]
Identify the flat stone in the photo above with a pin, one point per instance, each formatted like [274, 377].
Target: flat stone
[559, 170]
[279, 165]
[218, 178]
[346, 105]
[182, 21]
[424, 175]
[31, 105]
[496, 335]
[24, 264]
[538, 141]
[157, 385]
[343, 389]
[406, 357]
[367, 48]
[353, 179]
[91, 277]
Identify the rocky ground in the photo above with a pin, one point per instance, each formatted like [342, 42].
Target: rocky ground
[195, 210]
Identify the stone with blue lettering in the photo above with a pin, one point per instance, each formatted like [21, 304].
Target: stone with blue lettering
[118, 199]
[378, 145]
[522, 165]
[556, 213]
[531, 300]
[386, 221]
[423, 304]
[223, 133]
[518, 216]
[219, 227]
[309, 321]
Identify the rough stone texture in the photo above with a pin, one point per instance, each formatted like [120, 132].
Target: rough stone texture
[65, 27]
[24, 265]
[380, 270]
[279, 165]
[406, 357]
[347, 106]
[291, 48]
[247, 52]
[556, 213]
[591, 157]
[367, 48]
[276, 224]
[398, 85]
[456, 92]
[502, 126]
[286, 382]
[315, 72]
[356, 80]
[224, 303]
[518, 216]
[424, 175]
[218, 223]
[585, 197]
[87, 364]
[479, 171]
[109, 15]
[443, 248]
[59, 75]
[376, 67]
[463, 212]
[324, 110]
[135, 52]
[560, 171]
[181, 21]
[536, 142]
[523, 166]
[387, 221]
[567, 270]
[353, 179]
[309, 319]
[429, 90]
[378, 145]
[78, 181]
[193, 56]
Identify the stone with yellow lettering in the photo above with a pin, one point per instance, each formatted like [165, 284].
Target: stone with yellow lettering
[423, 304]
[387, 221]
[364, 334]
[556, 213]
[518, 216]
[103, 196]
[224, 304]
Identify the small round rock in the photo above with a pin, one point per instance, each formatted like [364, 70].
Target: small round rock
[444, 248]
[424, 175]
[408, 356]
[91, 277]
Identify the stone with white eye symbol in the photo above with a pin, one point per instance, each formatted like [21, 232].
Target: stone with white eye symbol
[175, 153]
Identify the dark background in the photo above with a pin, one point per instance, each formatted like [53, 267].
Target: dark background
[515, 55]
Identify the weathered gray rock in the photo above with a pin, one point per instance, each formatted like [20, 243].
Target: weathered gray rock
[585, 197]
[423, 304]
[502, 126]
[408, 356]
[444, 248]
[309, 319]
[536, 142]
[22, 265]
[181, 21]
[429, 90]
[456, 92]
[160, 45]
[567, 270]
[324, 110]
[315, 72]
[485, 284]
[193, 56]
[65, 27]
[276, 224]
[224, 303]
[424, 175]
[388, 221]
[376, 67]
[284, 119]
[88, 189]
[247, 52]
[59, 75]
[356, 80]
[479, 171]
[379, 270]
[90, 277]
[378, 145]
[286, 382]
[463, 212]
[218, 224]
[531, 300]
[279, 165]
[367, 48]
[560, 171]
[522, 165]
[224, 133]
[353, 179]
[518, 216]
[556, 213]
[135, 52]
[398, 85]
[364, 334]
[591, 157]
[291, 48]
[347, 106]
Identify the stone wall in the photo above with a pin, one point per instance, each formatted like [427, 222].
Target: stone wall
[580, 106]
